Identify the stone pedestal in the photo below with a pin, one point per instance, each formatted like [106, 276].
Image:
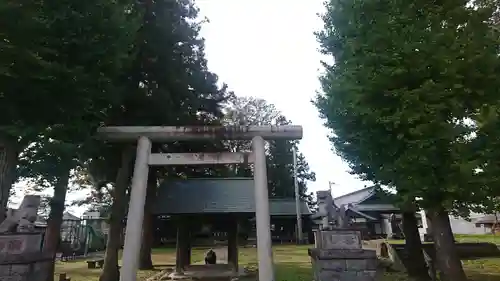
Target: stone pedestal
[21, 258]
[338, 256]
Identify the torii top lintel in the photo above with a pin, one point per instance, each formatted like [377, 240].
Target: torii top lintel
[172, 133]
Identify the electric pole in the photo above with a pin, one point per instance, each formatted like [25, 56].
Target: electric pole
[300, 237]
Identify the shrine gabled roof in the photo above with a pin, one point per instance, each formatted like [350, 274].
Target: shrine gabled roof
[367, 199]
[216, 196]
[354, 197]
[361, 214]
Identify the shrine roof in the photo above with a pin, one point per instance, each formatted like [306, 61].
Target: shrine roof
[354, 197]
[217, 196]
[361, 214]
[367, 199]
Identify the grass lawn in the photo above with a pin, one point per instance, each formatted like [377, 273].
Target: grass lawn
[485, 238]
[292, 264]
[479, 238]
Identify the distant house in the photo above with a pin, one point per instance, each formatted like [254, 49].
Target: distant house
[487, 221]
[373, 210]
[476, 224]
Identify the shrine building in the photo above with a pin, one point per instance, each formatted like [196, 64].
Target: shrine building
[207, 212]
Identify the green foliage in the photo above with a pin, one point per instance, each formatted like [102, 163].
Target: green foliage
[243, 111]
[62, 64]
[280, 171]
[59, 61]
[62, 61]
[168, 84]
[407, 79]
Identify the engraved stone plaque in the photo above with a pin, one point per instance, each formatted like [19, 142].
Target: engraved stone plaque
[340, 257]
[20, 255]
[20, 243]
[342, 241]
[339, 239]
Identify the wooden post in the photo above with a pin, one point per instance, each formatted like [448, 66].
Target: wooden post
[232, 245]
[187, 248]
[298, 229]
[180, 258]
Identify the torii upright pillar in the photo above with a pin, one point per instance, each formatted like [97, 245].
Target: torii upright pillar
[144, 158]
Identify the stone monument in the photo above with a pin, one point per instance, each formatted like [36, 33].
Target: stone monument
[338, 254]
[326, 209]
[21, 258]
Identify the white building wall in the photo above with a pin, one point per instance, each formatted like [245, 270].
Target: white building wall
[386, 226]
[459, 225]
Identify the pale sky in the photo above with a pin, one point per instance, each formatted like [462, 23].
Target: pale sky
[267, 49]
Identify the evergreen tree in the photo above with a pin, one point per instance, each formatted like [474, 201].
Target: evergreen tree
[243, 111]
[58, 67]
[168, 84]
[406, 78]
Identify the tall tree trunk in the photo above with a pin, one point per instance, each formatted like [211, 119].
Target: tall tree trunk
[495, 225]
[417, 267]
[447, 258]
[145, 261]
[9, 151]
[53, 230]
[110, 271]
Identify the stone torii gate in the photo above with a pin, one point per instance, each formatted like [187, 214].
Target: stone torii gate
[144, 158]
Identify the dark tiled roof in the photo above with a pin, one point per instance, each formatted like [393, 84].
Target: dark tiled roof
[487, 219]
[354, 197]
[361, 214]
[198, 196]
[359, 199]
[376, 207]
